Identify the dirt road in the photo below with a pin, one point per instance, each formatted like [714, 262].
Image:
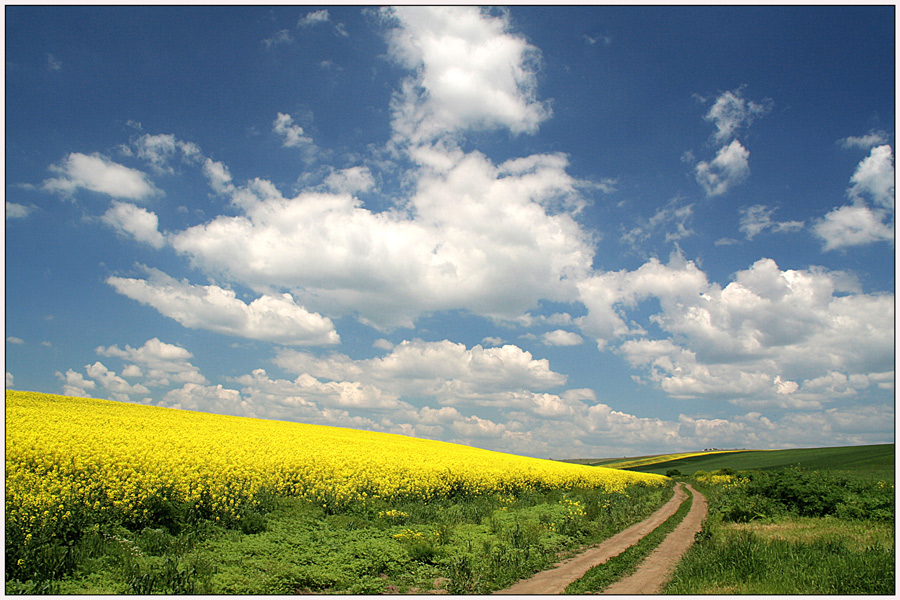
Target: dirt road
[555, 580]
[653, 573]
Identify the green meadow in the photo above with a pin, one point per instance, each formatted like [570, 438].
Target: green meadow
[796, 521]
[875, 462]
[803, 521]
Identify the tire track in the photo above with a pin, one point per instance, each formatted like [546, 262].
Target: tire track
[652, 574]
[555, 580]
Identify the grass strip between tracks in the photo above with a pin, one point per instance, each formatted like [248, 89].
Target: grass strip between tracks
[626, 563]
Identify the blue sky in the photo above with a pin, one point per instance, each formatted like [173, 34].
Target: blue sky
[558, 232]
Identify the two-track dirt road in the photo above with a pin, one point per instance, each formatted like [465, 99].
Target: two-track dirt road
[651, 574]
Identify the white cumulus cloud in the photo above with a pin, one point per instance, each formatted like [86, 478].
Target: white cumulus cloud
[471, 72]
[293, 134]
[874, 178]
[446, 372]
[729, 168]
[870, 217]
[74, 384]
[97, 173]
[351, 180]
[848, 226]
[159, 363]
[140, 223]
[751, 341]
[560, 337]
[487, 238]
[275, 318]
[117, 387]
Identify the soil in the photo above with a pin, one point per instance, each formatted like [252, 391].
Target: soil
[651, 574]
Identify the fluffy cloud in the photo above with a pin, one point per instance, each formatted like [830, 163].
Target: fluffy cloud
[99, 174]
[293, 134]
[470, 73]
[74, 384]
[729, 113]
[158, 150]
[340, 391]
[859, 223]
[874, 178]
[729, 168]
[450, 373]
[258, 387]
[753, 341]
[350, 181]
[135, 221]
[159, 363]
[606, 295]
[117, 387]
[485, 238]
[218, 175]
[275, 318]
[848, 226]
[560, 337]
[208, 398]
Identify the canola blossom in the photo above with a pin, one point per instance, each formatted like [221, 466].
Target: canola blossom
[120, 461]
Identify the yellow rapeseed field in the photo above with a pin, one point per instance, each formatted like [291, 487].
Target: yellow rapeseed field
[74, 455]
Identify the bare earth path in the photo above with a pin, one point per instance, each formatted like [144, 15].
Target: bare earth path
[653, 573]
[555, 580]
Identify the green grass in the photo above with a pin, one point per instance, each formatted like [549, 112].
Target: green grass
[732, 561]
[860, 462]
[622, 565]
[475, 544]
[791, 531]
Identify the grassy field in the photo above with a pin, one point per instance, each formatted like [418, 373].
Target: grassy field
[864, 462]
[118, 498]
[794, 530]
[781, 522]
[632, 464]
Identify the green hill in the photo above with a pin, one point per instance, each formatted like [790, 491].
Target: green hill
[862, 462]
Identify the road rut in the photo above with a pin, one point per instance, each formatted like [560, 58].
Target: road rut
[555, 580]
[652, 574]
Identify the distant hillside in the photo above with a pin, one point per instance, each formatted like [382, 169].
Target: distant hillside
[865, 462]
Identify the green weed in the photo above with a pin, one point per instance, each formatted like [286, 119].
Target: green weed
[466, 544]
[791, 532]
[741, 562]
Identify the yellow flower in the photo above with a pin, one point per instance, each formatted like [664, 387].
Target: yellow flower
[105, 456]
